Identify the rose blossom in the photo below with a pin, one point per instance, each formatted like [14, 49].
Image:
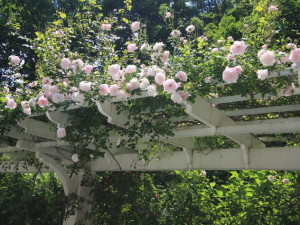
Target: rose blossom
[61, 132]
[238, 69]
[65, 63]
[132, 47]
[11, 104]
[135, 26]
[106, 26]
[168, 15]
[14, 59]
[121, 95]
[27, 111]
[230, 38]
[170, 86]
[103, 89]
[175, 33]
[42, 101]
[268, 58]
[144, 47]
[175, 97]
[272, 8]
[181, 76]
[264, 47]
[85, 86]
[203, 173]
[184, 95]
[230, 75]
[87, 69]
[289, 90]
[78, 97]
[144, 84]
[229, 57]
[73, 89]
[130, 69]
[135, 83]
[261, 52]
[77, 63]
[160, 78]
[214, 50]
[295, 55]
[238, 48]
[46, 80]
[285, 181]
[290, 46]
[165, 56]
[33, 84]
[152, 90]
[271, 178]
[185, 42]
[190, 28]
[158, 46]
[114, 69]
[113, 89]
[58, 98]
[262, 74]
[75, 158]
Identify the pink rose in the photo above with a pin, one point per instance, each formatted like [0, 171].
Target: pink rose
[144, 84]
[181, 76]
[160, 78]
[238, 48]
[165, 56]
[175, 33]
[130, 69]
[113, 89]
[261, 52]
[175, 97]
[27, 111]
[103, 89]
[33, 84]
[106, 26]
[229, 57]
[285, 181]
[46, 80]
[73, 89]
[135, 26]
[132, 47]
[65, 63]
[272, 8]
[14, 59]
[78, 97]
[238, 69]
[295, 55]
[11, 104]
[268, 58]
[230, 75]
[184, 95]
[170, 86]
[135, 83]
[152, 90]
[271, 178]
[168, 15]
[114, 69]
[77, 63]
[87, 69]
[290, 46]
[75, 158]
[158, 46]
[85, 86]
[230, 38]
[262, 74]
[61, 132]
[42, 101]
[190, 28]
[264, 47]
[214, 50]
[58, 98]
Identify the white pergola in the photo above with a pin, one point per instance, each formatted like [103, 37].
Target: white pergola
[35, 136]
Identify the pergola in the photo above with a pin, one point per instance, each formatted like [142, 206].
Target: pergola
[252, 136]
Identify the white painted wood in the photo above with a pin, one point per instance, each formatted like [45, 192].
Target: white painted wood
[58, 117]
[239, 98]
[20, 167]
[57, 168]
[282, 158]
[203, 111]
[263, 110]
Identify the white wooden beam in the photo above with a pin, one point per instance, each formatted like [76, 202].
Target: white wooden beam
[282, 158]
[240, 98]
[21, 167]
[263, 110]
[203, 111]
